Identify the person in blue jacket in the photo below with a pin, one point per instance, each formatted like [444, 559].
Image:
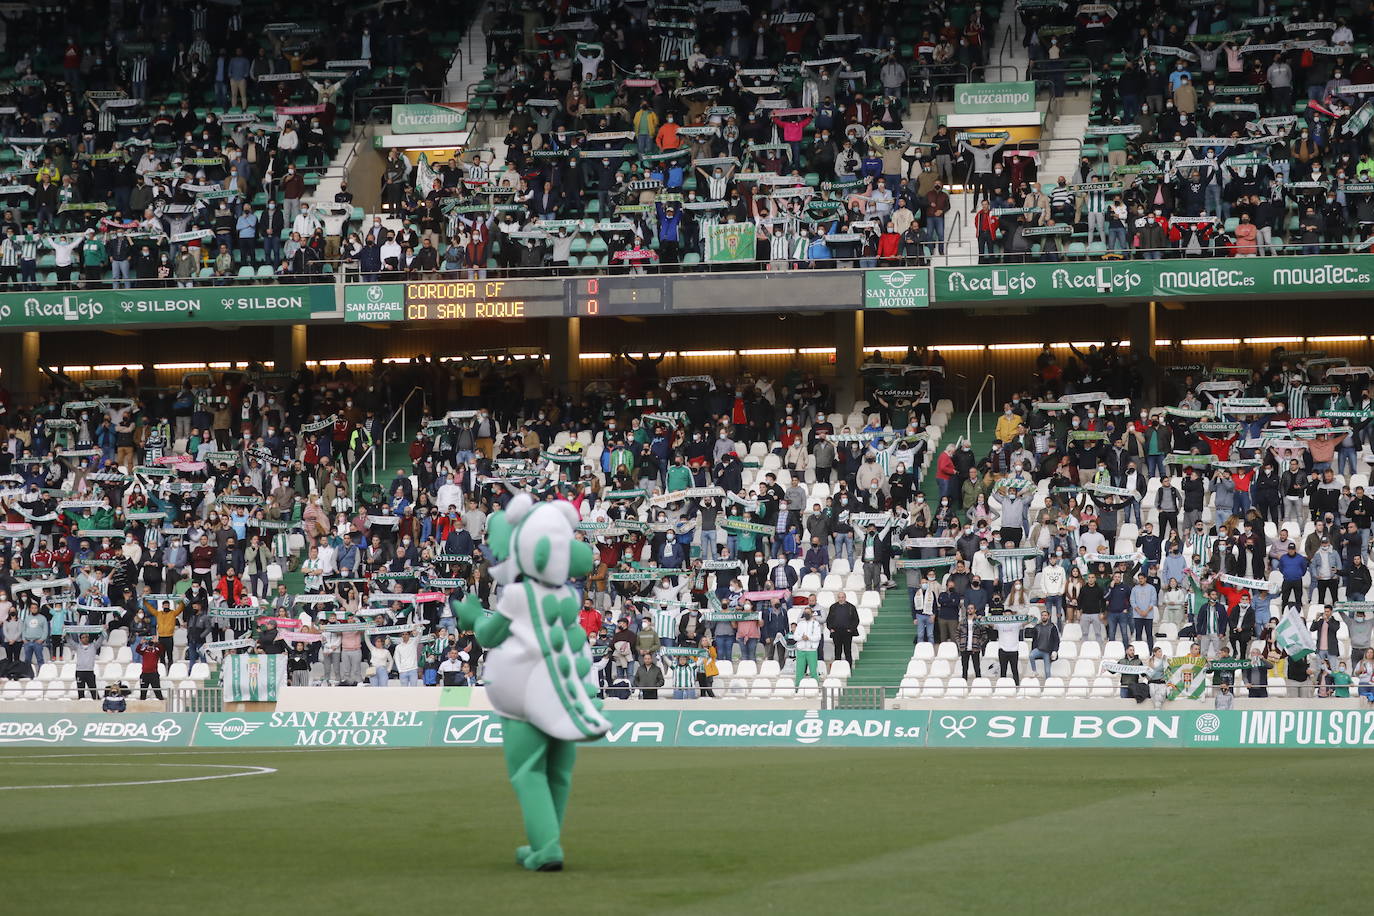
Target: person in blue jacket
[1292, 566]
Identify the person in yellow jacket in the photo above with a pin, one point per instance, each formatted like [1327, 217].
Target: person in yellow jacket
[166, 613]
[645, 125]
[1008, 423]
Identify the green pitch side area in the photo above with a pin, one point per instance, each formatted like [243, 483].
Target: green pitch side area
[682, 831]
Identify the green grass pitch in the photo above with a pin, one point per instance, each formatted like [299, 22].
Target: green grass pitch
[685, 831]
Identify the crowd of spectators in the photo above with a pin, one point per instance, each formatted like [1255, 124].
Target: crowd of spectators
[221, 515]
[160, 145]
[1216, 130]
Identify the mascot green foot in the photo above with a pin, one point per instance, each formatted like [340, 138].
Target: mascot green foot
[540, 771]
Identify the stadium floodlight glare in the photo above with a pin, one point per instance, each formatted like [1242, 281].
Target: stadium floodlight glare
[1272, 340]
[1339, 338]
[1210, 341]
[955, 348]
[1014, 346]
[774, 351]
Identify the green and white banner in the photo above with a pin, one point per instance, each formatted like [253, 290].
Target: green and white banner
[991, 98]
[76, 309]
[427, 118]
[1239, 277]
[1293, 635]
[899, 288]
[730, 242]
[458, 725]
[253, 678]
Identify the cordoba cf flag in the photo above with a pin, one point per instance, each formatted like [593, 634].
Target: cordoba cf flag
[253, 678]
[731, 242]
[1187, 678]
[424, 175]
[1293, 636]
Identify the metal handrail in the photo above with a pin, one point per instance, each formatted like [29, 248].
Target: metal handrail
[371, 450]
[986, 68]
[978, 403]
[401, 412]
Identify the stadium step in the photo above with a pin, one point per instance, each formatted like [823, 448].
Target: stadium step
[888, 648]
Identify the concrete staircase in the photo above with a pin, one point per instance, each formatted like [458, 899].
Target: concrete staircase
[888, 648]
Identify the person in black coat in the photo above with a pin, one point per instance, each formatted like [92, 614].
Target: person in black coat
[843, 623]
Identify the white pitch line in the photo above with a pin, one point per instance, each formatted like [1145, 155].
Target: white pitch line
[243, 771]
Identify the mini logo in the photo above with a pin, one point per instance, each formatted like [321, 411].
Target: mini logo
[374, 294]
[810, 728]
[1208, 723]
[233, 729]
[898, 279]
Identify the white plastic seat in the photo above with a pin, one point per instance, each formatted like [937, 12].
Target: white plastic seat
[833, 583]
[132, 672]
[1072, 632]
[1005, 689]
[956, 687]
[808, 688]
[1113, 651]
[925, 650]
[910, 688]
[948, 651]
[981, 687]
[177, 671]
[33, 690]
[114, 671]
[47, 672]
[840, 566]
[941, 668]
[832, 683]
[1106, 687]
[932, 689]
[839, 670]
[200, 671]
[770, 668]
[810, 583]
[917, 668]
[1089, 650]
[1068, 650]
[1079, 687]
[124, 655]
[1053, 688]
[747, 668]
[761, 688]
[1086, 667]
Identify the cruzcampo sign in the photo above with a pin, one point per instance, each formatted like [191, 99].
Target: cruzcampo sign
[78, 309]
[899, 288]
[426, 118]
[375, 302]
[991, 98]
[1175, 279]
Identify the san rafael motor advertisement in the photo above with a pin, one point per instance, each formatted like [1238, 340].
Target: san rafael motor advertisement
[1266, 728]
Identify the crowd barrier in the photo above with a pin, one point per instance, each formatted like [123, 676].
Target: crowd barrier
[1278, 728]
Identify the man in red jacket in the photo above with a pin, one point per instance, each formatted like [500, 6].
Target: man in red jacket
[149, 653]
[230, 588]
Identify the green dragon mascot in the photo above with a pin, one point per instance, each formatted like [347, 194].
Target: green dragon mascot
[538, 670]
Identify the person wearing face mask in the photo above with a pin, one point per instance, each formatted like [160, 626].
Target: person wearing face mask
[808, 636]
